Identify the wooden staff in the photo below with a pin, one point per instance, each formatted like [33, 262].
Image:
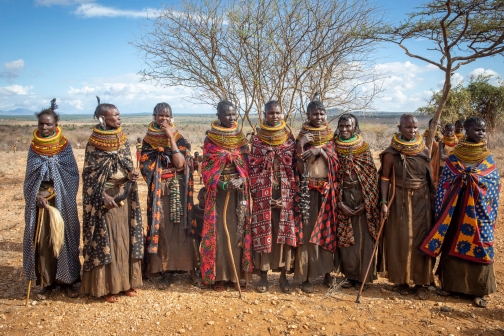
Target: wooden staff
[377, 241]
[37, 232]
[226, 202]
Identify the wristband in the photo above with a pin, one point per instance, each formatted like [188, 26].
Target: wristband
[175, 151]
[386, 179]
[383, 202]
[223, 185]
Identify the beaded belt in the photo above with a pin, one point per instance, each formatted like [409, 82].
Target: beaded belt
[227, 177]
[111, 185]
[317, 183]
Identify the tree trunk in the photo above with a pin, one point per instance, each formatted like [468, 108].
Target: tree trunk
[442, 102]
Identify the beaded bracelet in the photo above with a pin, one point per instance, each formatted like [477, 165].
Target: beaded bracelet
[223, 186]
[383, 202]
[385, 178]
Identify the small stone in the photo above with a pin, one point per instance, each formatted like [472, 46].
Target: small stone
[181, 331]
[446, 309]
[256, 302]
[306, 327]
[157, 323]
[323, 328]
[472, 315]
[34, 303]
[458, 328]
[292, 326]
[210, 323]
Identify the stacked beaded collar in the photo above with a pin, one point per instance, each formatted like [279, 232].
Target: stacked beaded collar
[438, 134]
[49, 146]
[227, 138]
[156, 137]
[107, 140]
[406, 147]
[459, 136]
[471, 152]
[450, 141]
[273, 135]
[353, 146]
[320, 134]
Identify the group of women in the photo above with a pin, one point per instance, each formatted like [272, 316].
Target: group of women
[311, 204]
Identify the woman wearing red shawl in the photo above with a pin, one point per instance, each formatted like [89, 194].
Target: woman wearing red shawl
[169, 212]
[358, 213]
[272, 185]
[317, 214]
[225, 174]
[467, 202]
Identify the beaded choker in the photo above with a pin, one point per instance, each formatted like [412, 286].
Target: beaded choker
[49, 146]
[459, 136]
[353, 146]
[471, 152]
[273, 135]
[157, 137]
[107, 140]
[227, 138]
[450, 141]
[407, 147]
[320, 134]
[438, 134]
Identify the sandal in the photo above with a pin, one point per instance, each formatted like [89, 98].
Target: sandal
[243, 286]
[307, 287]
[219, 286]
[348, 283]
[328, 281]
[480, 302]
[45, 293]
[441, 292]
[131, 292]
[262, 286]
[70, 291]
[358, 285]
[285, 286]
[111, 298]
[403, 289]
[422, 293]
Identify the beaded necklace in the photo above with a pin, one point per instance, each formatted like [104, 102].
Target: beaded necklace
[413, 147]
[459, 136]
[107, 140]
[49, 146]
[227, 138]
[450, 141]
[320, 134]
[157, 138]
[471, 152]
[273, 135]
[353, 146]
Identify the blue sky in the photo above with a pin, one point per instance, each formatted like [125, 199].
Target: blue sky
[76, 49]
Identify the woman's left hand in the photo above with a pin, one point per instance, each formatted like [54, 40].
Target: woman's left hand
[311, 152]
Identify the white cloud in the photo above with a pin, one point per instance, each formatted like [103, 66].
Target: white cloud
[49, 3]
[494, 76]
[13, 90]
[456, 79]
[85, 90]
[401, 84]
[12, 69]
[92, 10]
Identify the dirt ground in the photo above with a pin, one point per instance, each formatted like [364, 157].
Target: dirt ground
[183, 309]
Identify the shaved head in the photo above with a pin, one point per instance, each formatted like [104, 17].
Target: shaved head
[407, 116]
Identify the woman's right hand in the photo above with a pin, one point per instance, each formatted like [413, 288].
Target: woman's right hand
[167, 129]
[41, 199]
[345, 210]
[108, 201]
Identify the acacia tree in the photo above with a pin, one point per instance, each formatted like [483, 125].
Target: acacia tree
[457, 106]
[252, 51]
[461, 31]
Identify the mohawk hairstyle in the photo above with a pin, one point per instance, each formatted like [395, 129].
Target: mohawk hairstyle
[50, 111]
[101, 109]
[315, 104]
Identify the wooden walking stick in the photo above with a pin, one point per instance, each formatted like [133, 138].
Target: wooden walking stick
[37, 232]
[226, 202]
[377, 241]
